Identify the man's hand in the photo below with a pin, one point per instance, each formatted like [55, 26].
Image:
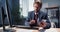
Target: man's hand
[32, 22]
[42, 24]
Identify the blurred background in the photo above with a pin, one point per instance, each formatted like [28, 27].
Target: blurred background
[18, 11]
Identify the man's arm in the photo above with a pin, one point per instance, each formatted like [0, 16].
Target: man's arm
[28, 19]
[48, 25]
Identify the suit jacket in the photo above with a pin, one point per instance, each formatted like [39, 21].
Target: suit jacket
[41, 15]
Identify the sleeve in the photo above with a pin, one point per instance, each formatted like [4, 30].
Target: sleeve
[27, 19]
[48, 22]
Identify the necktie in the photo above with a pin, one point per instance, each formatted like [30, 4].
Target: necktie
[36, 17]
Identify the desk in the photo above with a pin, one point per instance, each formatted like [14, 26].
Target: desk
[35, 30]
[30, 30]
[50, 30]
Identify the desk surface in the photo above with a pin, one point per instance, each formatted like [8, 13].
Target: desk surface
[32, 30]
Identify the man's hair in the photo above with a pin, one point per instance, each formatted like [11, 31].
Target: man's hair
[38, 3]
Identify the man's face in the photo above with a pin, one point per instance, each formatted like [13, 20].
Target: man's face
[37, 7]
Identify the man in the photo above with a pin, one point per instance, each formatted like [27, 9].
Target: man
[37, 17]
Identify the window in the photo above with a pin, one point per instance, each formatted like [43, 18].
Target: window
[26, 6]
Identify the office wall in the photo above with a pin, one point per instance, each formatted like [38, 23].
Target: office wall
[53, 3]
